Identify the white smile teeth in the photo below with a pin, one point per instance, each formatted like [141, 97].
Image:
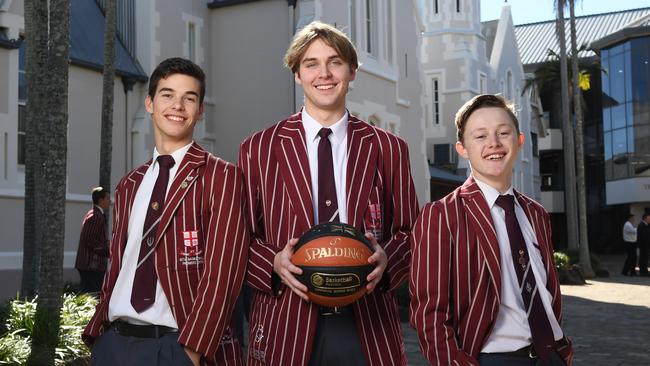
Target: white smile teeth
[324, 87]
[495, 157]
[175, 118]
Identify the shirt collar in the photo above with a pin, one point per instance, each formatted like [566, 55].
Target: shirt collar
[178, 155]
[339, 129]
[491, 194]
[99, 208]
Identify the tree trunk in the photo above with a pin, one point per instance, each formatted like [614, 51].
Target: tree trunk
[106, 145]
[567, 133]
[585, 258]
[46, 326]
[35, 71]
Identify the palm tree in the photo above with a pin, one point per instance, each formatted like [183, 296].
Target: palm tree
[567, 133]
[106, 144]
[35, 70]
[585, 258]
[46, 324]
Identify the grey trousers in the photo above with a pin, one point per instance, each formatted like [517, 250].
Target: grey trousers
[112, 349]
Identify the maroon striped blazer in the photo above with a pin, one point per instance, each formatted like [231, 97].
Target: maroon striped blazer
[92, 253]
[455, 280]
[206, 197]
[379, 183]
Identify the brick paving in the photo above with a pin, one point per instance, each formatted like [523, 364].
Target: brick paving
[608, 320]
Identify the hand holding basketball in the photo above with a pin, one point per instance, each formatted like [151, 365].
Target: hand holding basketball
[285, 269]
[380, 259]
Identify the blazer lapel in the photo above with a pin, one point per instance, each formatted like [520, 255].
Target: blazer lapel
[480, 218]
[186, 176]
[130, 189]
[291, 154]
[362, 166]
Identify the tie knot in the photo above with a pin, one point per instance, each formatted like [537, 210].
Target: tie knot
[506, 202]
[324, 132]
[165, 161]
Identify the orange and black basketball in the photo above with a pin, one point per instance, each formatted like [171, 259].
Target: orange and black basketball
[334, 262]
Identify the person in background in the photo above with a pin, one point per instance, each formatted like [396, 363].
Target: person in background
[92, 253]
[629, 241]
[643, 242]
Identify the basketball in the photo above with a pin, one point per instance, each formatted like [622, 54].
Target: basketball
[334, 262]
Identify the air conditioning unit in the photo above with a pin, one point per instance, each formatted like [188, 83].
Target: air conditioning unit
[445, 155]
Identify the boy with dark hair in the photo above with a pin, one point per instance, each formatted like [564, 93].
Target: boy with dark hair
[92, 253]
[483, 285]
[179, 246]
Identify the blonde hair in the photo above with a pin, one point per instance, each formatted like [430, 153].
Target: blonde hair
[328, 34]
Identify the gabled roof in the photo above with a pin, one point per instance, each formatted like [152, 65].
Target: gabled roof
[535, 39]
[87, 42]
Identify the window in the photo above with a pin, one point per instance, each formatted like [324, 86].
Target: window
[353, 21]
[482, 83]
[435, 100]
[22, 100]
[389, 31]
[191, 41]
[371, 27]
[435, 6]
[533, 140]
[457, 6]
[509, 85]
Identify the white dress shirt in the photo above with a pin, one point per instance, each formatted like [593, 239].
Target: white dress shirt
[119, 306]
[629, 232]
[511, 330]
[339, 141]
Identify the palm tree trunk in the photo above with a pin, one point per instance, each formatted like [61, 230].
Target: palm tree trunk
[106, 144]
[585, 258]
[46, 326]
[567, 133]
[35, 71]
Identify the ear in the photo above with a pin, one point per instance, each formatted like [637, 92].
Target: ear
[522, 138]
[201, 110]
[148, 104]
[460, 149]
[296, 77]
[353, 73]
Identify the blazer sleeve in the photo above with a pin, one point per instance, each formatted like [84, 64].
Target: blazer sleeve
[226, 255]
[259, 273]
[432, 312]
[404, 211]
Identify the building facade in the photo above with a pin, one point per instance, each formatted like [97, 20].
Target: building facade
[461, 58]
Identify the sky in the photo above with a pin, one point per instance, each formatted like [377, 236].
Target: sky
[530, 11]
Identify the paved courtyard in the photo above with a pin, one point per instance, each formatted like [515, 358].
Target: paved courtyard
[608, 320]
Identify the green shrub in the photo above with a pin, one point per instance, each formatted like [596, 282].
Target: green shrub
[75, 314]
[561, 260]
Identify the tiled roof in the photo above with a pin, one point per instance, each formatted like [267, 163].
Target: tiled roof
[535, 39]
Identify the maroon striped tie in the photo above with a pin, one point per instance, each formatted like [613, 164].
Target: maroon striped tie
[143, 293]
[540, 328]
[327, 205]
